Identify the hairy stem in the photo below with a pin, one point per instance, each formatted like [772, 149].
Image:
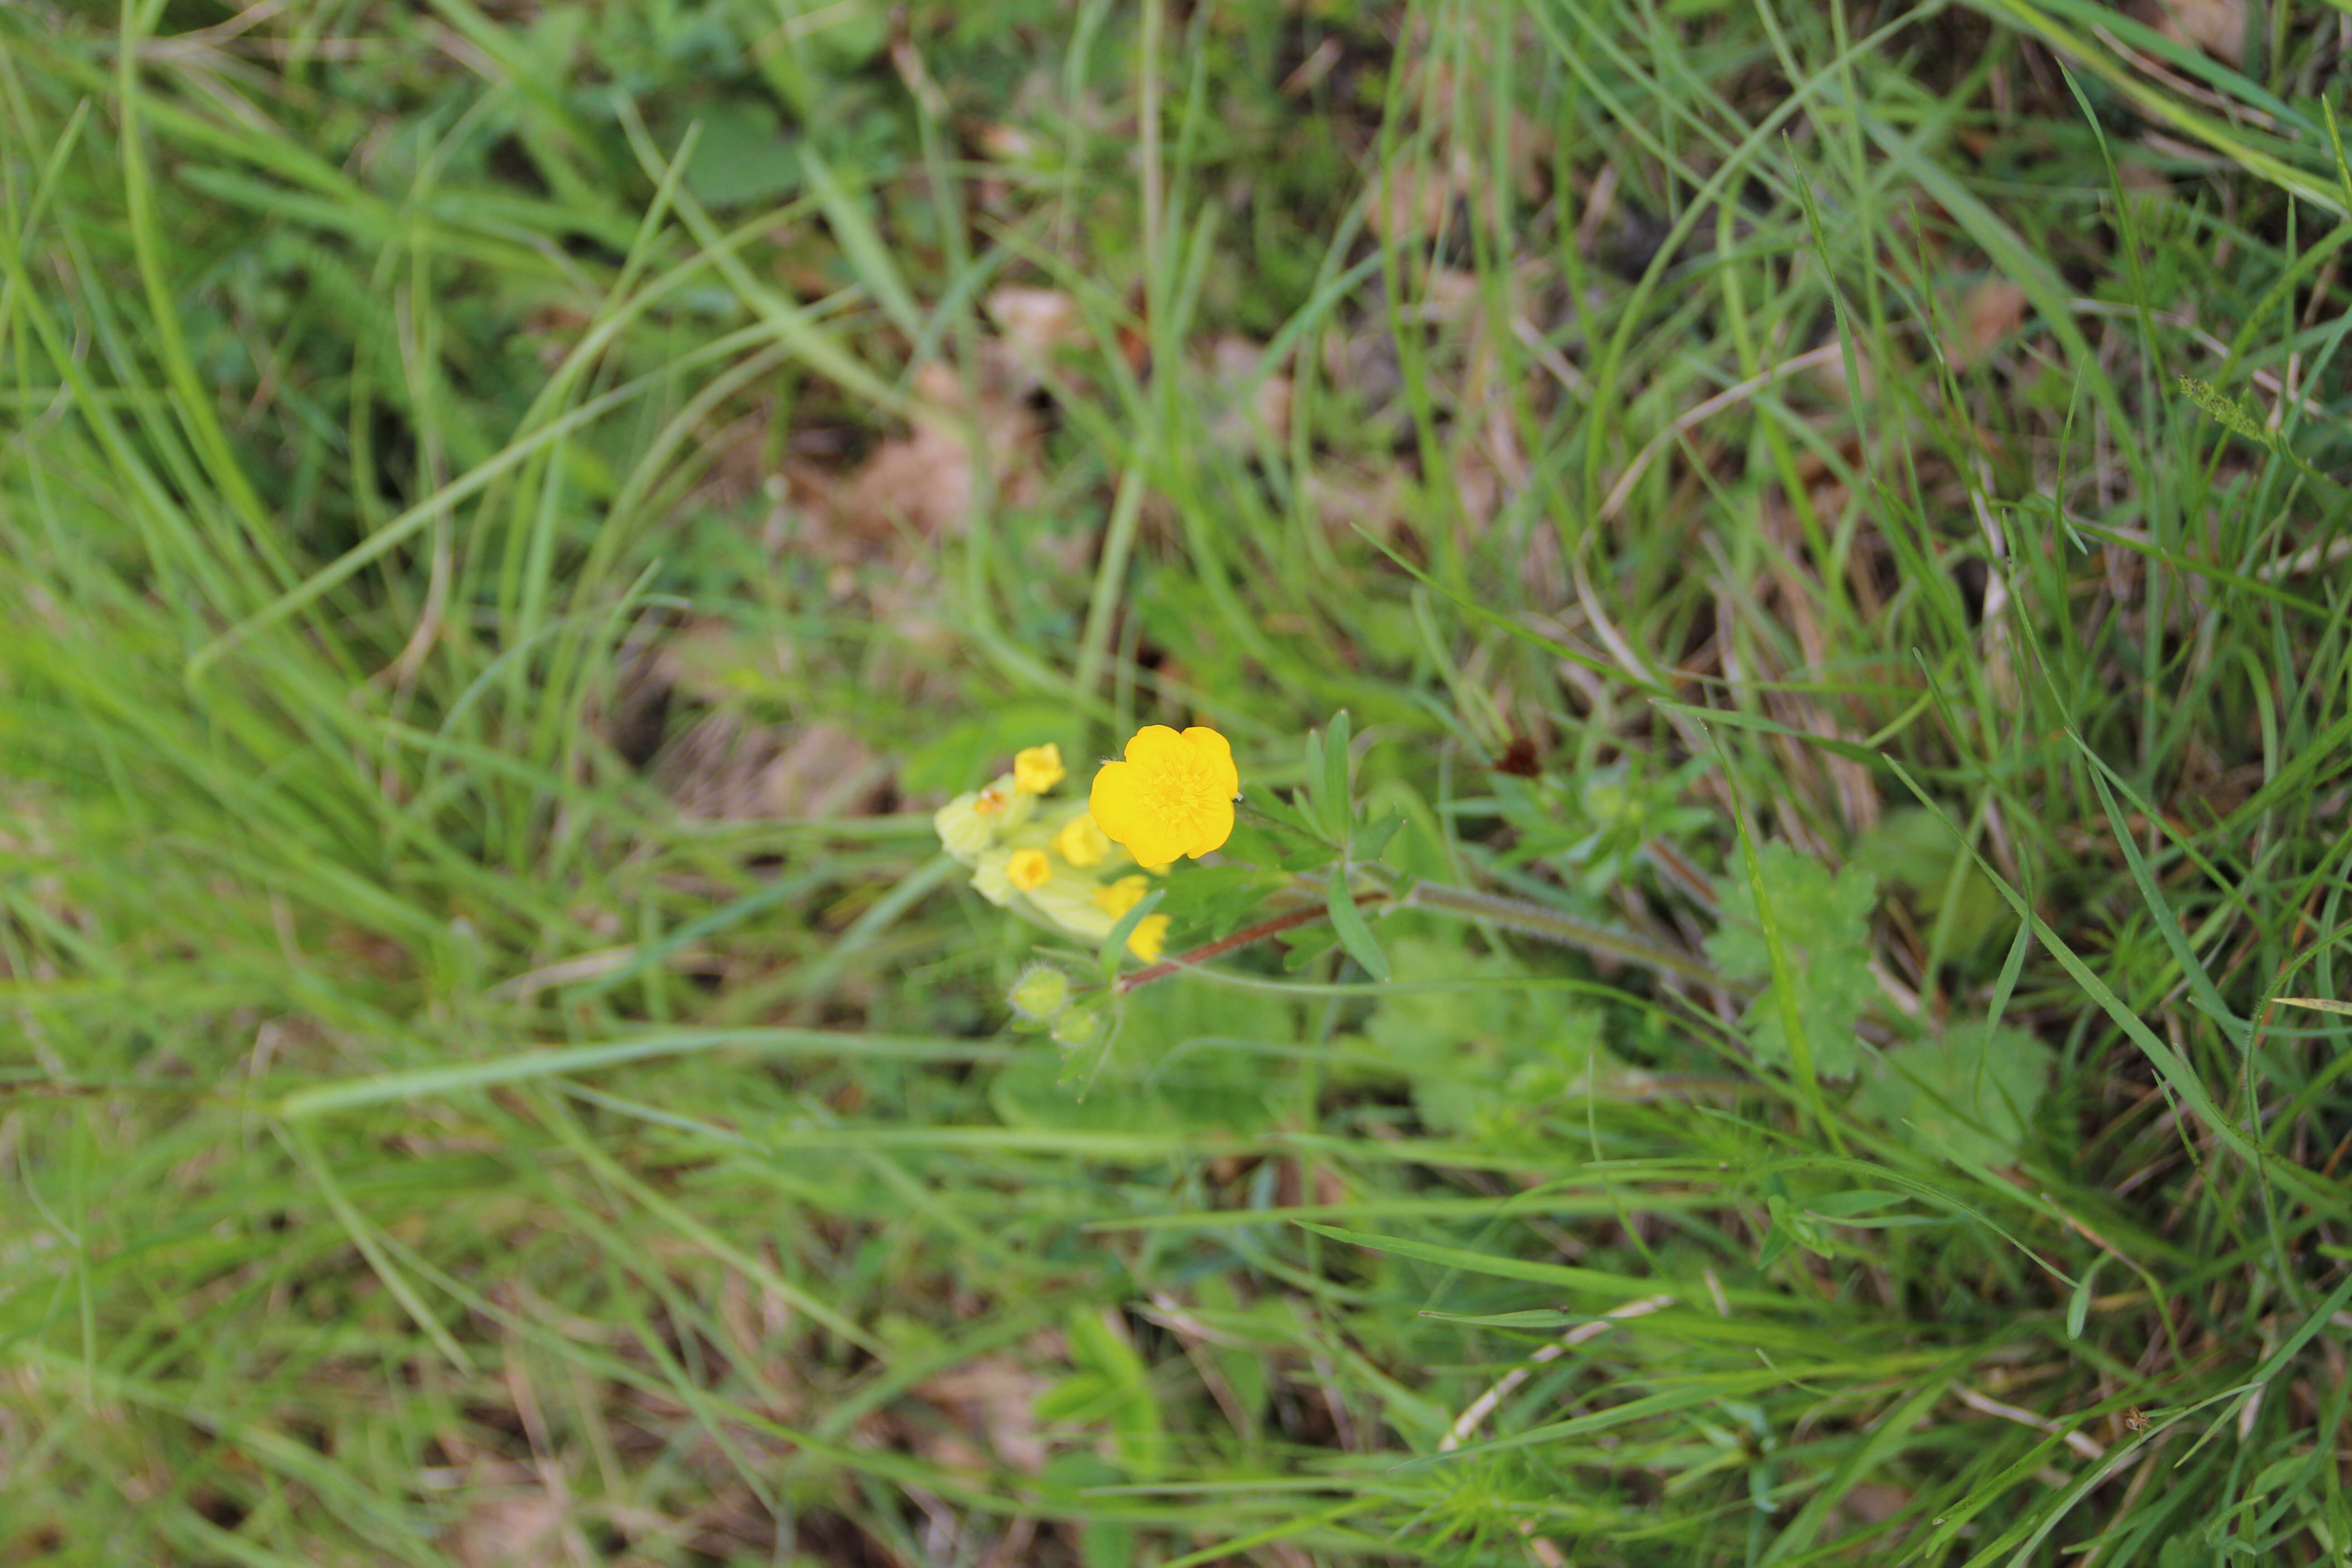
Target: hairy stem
[1530, 919]
[1551, 925]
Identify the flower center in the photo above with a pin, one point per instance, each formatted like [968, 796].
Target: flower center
[1178, 794]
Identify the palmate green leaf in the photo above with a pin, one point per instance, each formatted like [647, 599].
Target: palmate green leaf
[1475, 1054]
[1825, 921]
[1214, 900]
[1967, 1097]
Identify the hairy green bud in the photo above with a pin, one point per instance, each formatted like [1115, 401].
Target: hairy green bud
[1042, 992]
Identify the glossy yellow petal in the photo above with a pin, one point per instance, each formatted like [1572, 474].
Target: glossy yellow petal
[1216, 827]
[1081, 842]
[1117, 800]
[1036, 769]
[1215, 754]
[1157, 746]
[1149, 937]
[1159, 843]
[1115, 898]
[1171, 795]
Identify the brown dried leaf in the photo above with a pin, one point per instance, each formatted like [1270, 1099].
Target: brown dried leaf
[924, 480]
[725, 769]
[1240, 415]
[523, 1530]
[991, 1397]
[1037, 323]
[1993, 310]
[2217, 27]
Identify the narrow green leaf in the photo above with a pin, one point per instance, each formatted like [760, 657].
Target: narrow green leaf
[2078, 1306]
[2175, 1069]
[1561, 1276]
[1592, 662]
[1338, 806]
[2317, 1003]
[1354, 933]
[1116, 943]
[457, 1078]
[1309, 800]
[861, 244]
[1375, 838]
[2201, 988]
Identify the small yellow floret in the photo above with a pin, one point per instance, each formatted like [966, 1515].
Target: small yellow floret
[1116, 898]
[1149, 935]
[1028, 869]
[1080, 842]
[989, 800]
[1036, 769]
[1171, 794]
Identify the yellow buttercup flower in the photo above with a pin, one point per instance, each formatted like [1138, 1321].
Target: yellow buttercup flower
[1080, 842]
[1036, 769]
[1171, 794]
[1028, 869]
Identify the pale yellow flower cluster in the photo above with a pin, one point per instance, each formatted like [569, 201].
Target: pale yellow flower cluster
[1050, 857]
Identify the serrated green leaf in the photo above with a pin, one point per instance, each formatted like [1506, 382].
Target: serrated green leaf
[1308, 857]
[1216, 898]
[1825, 924]
[1966, 1097]
[1484, 1053]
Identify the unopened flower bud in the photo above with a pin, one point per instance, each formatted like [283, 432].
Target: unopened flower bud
[1076, 1027]
[1041, 992]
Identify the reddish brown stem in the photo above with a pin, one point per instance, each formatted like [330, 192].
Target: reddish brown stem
[1225, 944]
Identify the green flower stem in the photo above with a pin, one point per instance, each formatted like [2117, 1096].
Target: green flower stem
[1551, 925]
